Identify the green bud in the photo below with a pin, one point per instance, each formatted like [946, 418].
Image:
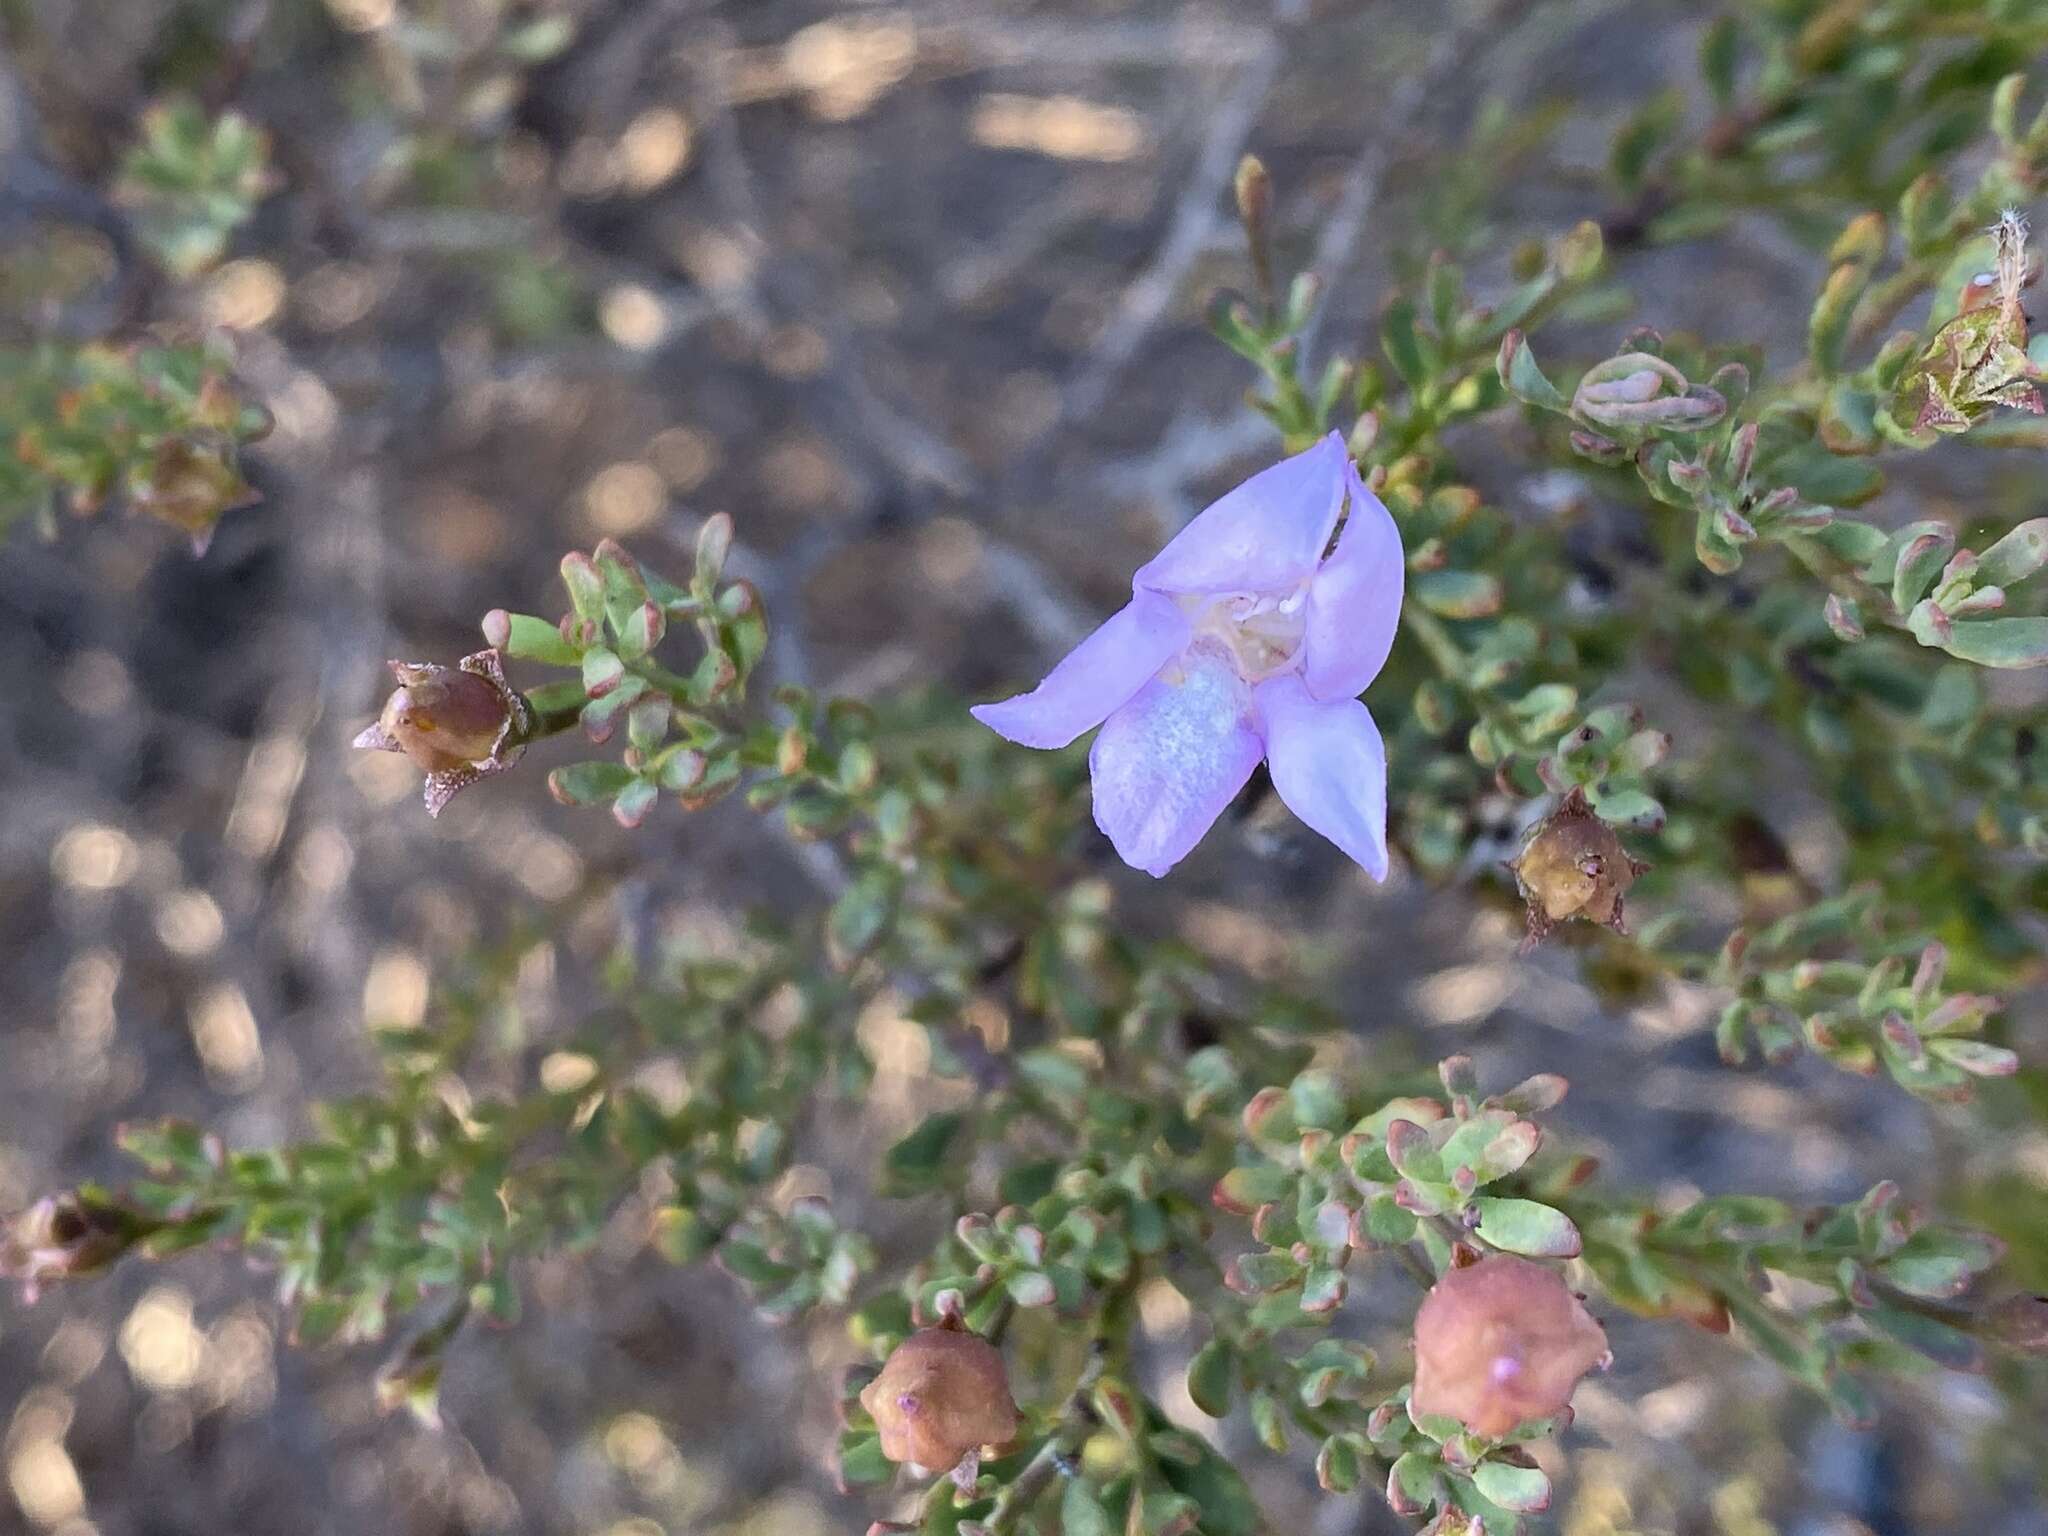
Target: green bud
[1827, 327]
[1861, 242]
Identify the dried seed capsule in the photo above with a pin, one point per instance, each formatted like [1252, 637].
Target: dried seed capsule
[1574, 865]
[1501, 1342]
[943, 1394]
[442, 719]
[458, 723]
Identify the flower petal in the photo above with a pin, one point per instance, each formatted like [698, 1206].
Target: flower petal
[1168, 762]
[1265, 536]
[1354, 602]
[1329, 765]
[1099, 674]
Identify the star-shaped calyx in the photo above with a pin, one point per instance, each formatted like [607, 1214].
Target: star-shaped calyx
[460, 724]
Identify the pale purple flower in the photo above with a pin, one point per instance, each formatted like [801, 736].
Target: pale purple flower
[1242, 642]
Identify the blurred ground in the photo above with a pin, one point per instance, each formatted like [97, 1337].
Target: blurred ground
[914, 291]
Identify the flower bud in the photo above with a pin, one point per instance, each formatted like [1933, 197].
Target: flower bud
[943, 1394]
[1843, 617]
[1638, 394]
[1500, 1342]
[458, 723]
[1574, 866]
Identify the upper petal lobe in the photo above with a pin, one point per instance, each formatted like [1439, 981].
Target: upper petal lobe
[1096, 676]
[1265, 536]
[1354, 602]
[1168, 762]
[1329, 767]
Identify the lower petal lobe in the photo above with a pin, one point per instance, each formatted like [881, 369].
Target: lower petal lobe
[1169, 761]
[1329, 766]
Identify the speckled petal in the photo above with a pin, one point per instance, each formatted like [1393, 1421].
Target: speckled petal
[1169, 761]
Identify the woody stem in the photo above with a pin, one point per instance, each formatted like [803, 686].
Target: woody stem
[1075, 1423]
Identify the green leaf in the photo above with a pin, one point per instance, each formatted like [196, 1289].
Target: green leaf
[861, 914]
[632, 804]
[1210, 1376]
[1521, 1489]
[2000, 642]
[861, 1461]
[915, 1162]
[1458, 594]
[641, 630]
[586, 586]
[1323, 1290]
[1341, 1463]
[1030, 1288]
[1975, 1057]
[2015, 557]
[714, 544]
[1846, 539]
[1629, 808]
[1247, 1188]
[1387, 1223]
[1645, 133]
[1317, 1099]
[1919, 551]
[1777, 1338]
[1403, 346]
[1225, 1503]
[1412, 1483]
[588, 783]
[1526, 1227]
[1938, 1264]
[531, 639]
[602, 670]
[1946, 1346]
[1719, 46]
[1082, 1514]
[1826, 479]
[1520, 376]
[1827, 327]
[1259, 1274]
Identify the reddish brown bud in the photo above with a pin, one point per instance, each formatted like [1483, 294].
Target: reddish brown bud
[942, 1394]
[1574, 866]
[1500, 1342]
[458, 723]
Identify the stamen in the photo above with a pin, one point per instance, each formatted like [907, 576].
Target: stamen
[1261, 631]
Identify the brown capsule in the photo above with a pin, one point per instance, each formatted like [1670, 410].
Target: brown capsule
[191, 488]
[460, 724]
[1500, 1342]
[943, 1394]
[1574, 865]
